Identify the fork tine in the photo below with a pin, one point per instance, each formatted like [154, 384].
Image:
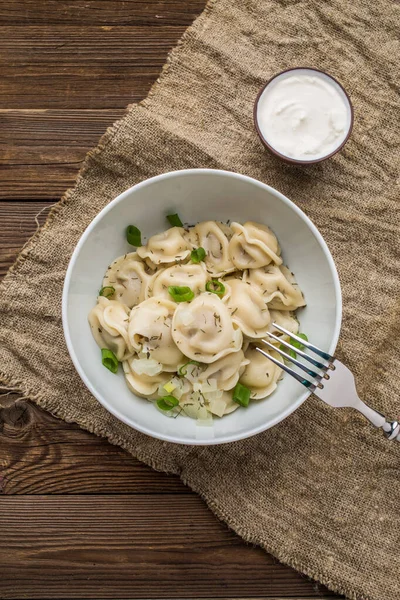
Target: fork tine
[305, 382]
[324, 355]
[293, 360]
[314, 362]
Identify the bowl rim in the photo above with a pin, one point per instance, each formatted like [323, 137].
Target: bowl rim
[271, 148]
[232, 437]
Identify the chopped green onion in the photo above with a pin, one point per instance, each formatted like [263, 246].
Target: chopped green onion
[175, 220]
[109, 360]
[167, 403]
[197, 255]
[296, 344]
[289, 351]
[241, 394]
[107, 291]
[182, 371]
[215, 287]
[181, 293]
[133, 235]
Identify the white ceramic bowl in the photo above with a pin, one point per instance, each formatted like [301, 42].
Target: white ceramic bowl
[198, 195]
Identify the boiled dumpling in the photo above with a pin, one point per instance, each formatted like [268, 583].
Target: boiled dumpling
[223, 405]
[285, 319]
[225, 371]
[141, 383]
[193, 276]
[253, 246]
[278, 287]
[260, 375]
[149, 332]
[203, 329]
[129, 276]
[109, 323]
[167, 247]
[247, 308]
[214, 238]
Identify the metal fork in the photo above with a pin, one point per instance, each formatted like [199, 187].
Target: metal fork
[331, 381]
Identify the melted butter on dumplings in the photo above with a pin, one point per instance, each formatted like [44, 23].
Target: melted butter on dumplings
[203, 329]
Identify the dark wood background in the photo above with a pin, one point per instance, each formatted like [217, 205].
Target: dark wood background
[80, 518]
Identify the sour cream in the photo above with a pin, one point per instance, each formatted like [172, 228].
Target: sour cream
[304, 115]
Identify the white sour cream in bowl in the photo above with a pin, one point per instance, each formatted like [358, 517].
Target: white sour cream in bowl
[303, 115]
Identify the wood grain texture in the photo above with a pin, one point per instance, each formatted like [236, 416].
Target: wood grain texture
[100, 12]
[131, 547]
[42, 150]
[19, 221]
[81, 66]
[40, 454]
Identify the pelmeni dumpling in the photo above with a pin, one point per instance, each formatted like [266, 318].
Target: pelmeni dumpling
[168, 247]
[193, 276]
[109, 323]
[214, 238]
[129, 276]
[141, 383]
[149, 332]
[285, 319]
[278, 287]
[203, 329]
[260, 375]
[253, 246]
[224, 405]
[247, 308]
[225, 371]
[197, 351]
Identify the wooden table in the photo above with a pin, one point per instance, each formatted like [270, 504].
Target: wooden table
[80, 518]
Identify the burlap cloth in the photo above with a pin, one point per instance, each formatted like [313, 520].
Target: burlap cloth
[321, 490]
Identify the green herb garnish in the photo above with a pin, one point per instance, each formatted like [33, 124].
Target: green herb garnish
[109, 360]
[107, 291]
[215, 287]
[197, 255]
[175, 220]
[289, 351]
[241, 394]
[133, 235]
[180, 293]
[182, 371]
[296, 344]
[167, 403]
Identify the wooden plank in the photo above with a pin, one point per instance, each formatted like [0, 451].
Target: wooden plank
[47, 150]
[19, 221]
[81, 66]
[100, 12]
[40, 454]
[132, 547]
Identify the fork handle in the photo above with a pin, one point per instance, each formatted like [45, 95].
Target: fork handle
[391, 429]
